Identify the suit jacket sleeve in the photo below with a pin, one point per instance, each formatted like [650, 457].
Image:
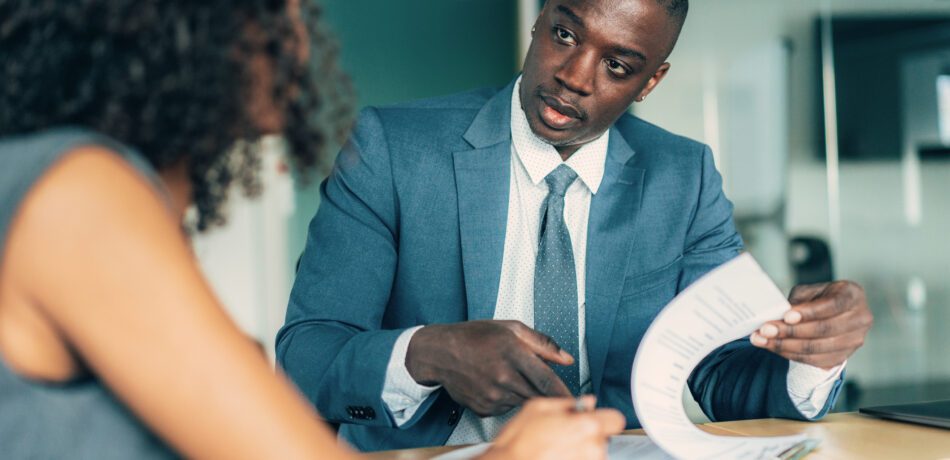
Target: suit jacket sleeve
[736, 381]
[332, 344]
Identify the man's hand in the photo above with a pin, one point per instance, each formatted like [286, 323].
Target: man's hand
[826, 324]
[487, 366]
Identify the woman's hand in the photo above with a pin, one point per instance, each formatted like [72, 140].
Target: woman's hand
[549, 428]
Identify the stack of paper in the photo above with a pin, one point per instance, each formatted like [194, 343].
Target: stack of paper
[730, 302]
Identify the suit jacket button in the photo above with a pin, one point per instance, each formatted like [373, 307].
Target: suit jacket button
[369, 413]
[454, 416]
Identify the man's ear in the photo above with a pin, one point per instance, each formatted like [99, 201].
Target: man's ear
[654, 80]
[537, 20]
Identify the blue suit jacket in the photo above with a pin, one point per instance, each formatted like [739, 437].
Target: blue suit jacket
[411, 231]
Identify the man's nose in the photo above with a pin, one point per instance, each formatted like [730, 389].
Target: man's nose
[577, 73]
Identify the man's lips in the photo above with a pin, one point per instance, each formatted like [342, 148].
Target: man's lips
[558, 114]
[563, 107]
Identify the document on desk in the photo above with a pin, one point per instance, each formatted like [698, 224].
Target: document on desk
[728, 303]
[620, 447]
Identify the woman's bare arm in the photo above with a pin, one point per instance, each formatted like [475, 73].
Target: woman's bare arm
[99, 253]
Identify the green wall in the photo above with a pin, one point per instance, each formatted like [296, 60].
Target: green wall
[409, 49]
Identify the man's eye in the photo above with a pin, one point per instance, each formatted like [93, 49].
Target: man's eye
[564, 35]
[617, 68]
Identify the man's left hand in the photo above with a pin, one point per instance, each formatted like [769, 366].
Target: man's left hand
[827, 323]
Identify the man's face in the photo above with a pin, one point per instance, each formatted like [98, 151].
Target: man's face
[588, 61]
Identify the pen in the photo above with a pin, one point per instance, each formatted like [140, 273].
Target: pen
[580, 405]
[799, 450]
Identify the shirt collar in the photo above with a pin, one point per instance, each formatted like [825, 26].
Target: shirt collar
[540, 158]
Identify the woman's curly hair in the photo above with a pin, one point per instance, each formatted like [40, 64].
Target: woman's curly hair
[174, 79]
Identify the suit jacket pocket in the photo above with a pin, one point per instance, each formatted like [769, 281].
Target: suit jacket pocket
[640, 284]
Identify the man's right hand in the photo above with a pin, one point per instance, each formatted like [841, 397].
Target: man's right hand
[488, 366]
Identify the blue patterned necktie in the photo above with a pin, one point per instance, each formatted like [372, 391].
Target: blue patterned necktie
[555, 280]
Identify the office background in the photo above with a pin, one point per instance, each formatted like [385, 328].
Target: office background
[835, 148]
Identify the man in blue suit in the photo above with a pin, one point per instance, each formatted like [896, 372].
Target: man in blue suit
[477, 250]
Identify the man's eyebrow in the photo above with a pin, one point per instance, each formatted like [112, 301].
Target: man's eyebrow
[620, 50]
[570, 14]
[629, 53]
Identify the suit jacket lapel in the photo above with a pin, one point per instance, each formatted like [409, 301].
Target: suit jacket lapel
[613, 215]
[482, 177]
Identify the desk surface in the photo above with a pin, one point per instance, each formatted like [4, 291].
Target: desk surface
[843, 436]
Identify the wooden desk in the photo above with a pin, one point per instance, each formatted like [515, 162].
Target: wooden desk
[843, 436]
[855, 436]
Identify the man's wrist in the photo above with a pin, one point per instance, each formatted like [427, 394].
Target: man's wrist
[402, 395]
[418, 355]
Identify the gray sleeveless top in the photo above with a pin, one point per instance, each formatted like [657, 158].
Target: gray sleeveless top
[73, 420]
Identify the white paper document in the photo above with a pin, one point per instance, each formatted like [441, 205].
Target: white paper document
[730, 302]
[619, 448]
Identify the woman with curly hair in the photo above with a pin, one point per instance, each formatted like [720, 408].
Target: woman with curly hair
[116, 116]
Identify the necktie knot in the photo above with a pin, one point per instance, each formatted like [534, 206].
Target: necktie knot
[560, 179]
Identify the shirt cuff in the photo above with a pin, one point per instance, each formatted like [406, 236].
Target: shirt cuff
[401, 393]
[810, 386]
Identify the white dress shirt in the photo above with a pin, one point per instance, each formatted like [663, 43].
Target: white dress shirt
[531, 160]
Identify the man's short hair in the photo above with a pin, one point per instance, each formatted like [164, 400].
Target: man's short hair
[677, 9]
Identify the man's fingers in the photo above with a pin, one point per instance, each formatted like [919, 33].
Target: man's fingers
[823, 329]
[544, 346]
[806, 292]
[846, 343]
[814, 310]
[542, 377]
[805, 351]
[516, 384]
[835, 299]
[811, 330]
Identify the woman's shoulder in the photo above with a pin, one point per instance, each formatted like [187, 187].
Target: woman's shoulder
[89, 185]
[72, 160]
